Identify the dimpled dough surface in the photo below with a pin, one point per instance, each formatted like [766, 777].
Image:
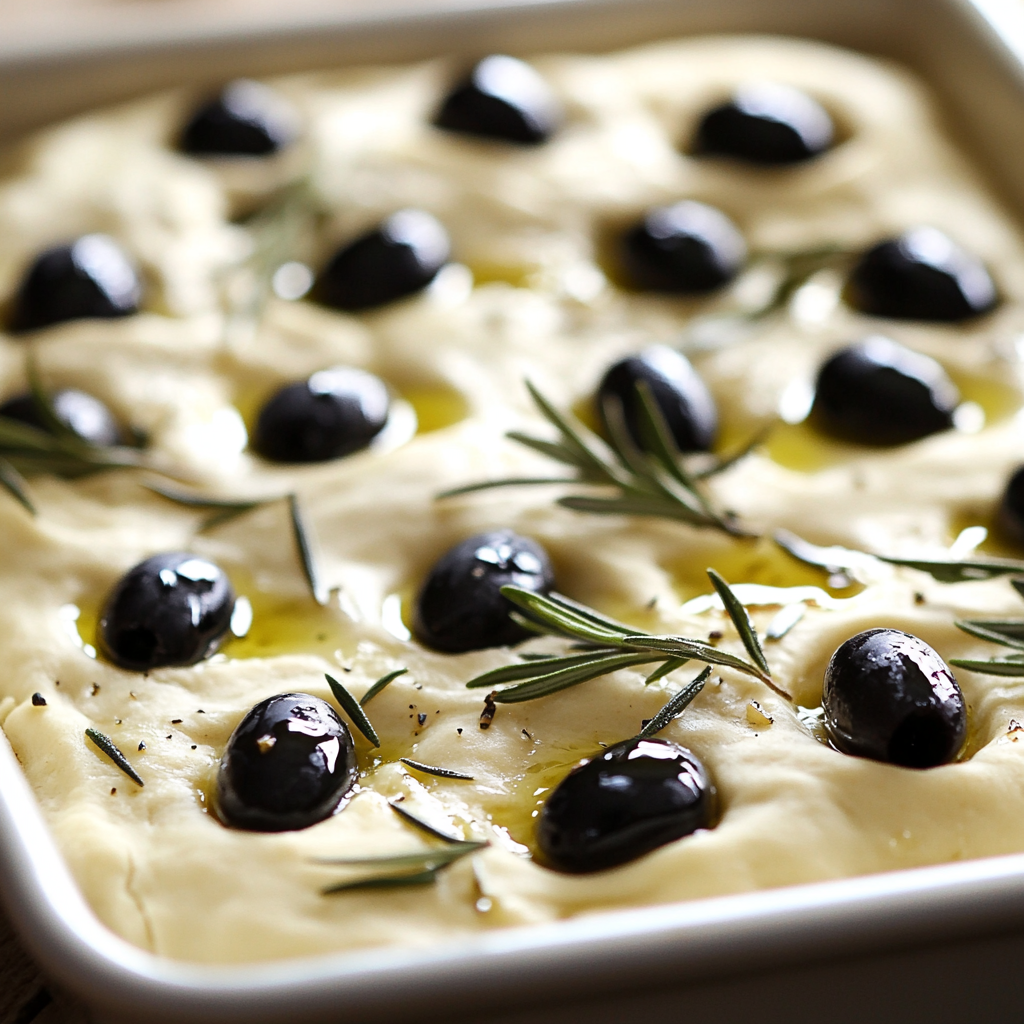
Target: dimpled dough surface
[155, 863]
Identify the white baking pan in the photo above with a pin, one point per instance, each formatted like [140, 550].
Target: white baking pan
[930, 945]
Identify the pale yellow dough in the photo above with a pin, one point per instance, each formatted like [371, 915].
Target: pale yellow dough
[154, 863]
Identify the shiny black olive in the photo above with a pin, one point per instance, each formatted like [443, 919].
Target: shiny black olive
[684, 249]
[171, 609]
[681, 396]
[80, 412]
[246, 119]
[90, 277]
[921, 275]
[765, 123]
[334, 413]
[628, 800]
[287, 765]
[460, 607]
[502, 98]
[877, 392]
[888, 696]
[1010, 517]
[398, 258]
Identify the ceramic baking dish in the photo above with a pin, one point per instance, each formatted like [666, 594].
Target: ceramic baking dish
[935, 944]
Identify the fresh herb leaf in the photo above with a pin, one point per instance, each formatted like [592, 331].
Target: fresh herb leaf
[429, 769]
[962, 571]
[398, 870]
[607, 646]
[553, 682]
[982, 631]
[741, 620]
[381, 683]
[654, 482]
[670, 665]
[107, 745]
[352, 708]
[419, 859]
[427, 877]
[993, 667]
[411, 819]
[305, 543]
[14, 483]
[675, 707]
[224, 508]
[841, 564]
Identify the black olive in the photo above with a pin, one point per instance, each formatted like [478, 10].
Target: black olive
[877, 392]
[765, 123]
[246, 119]
[460, 607]
[628, 800]
[171, 609]
[502, 98]
[686, 248]
[888, 696]
[287, 765]
[1010, 517]
[80, 412]
[397, 258]
[89, 277]
[334, 413]
[921, 275]
[681, 396]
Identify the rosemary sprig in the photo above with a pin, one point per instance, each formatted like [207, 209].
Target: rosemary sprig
[352, 708]
[960, 571]
[609, 645]
[1006, 633]
[430, 769]
[381, 683]
[405, 869]
[675, 707]
[308, 549]
[108, 747]
[14, 483]
[223, 509]
[843, 565]
[656, 481]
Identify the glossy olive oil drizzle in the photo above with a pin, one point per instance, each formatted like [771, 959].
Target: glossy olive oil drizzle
[800, 447]
[757, 560]
[436, 407]
[286, 625]
[517, 812]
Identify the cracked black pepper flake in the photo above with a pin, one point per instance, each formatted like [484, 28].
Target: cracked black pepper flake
[918, 597]
[117, 721]
[175, 721]
[169, 737]
[421, 718]
[142, 745]
[38, 700]
[200, 712]
[343, 669]
[487, 715]
[113, 790]
[95, 689]
[193, 746]
[527, 735]
[715, 634]
[459, 730]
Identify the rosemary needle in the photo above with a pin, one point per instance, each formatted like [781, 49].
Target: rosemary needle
[107, 745]
[353, 709]
[429, 769]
